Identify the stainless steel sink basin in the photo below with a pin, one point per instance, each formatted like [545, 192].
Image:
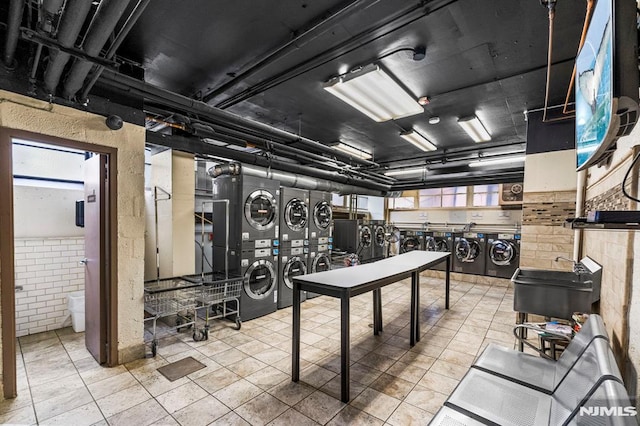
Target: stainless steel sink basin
[557, 294]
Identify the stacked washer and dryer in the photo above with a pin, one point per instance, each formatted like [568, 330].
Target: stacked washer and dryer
[294, 239]
[320, 240]
[253, 239]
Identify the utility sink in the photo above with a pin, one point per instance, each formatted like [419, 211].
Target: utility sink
[557, 294]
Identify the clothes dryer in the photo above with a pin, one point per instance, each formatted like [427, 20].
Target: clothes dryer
[319, 260]
[292, 263]
[469, 252]
[441, 242]
[353, 236]
[294, 217]
[503, 255]
[321, 214]
[411, 240]
[378, 240]
[260, 283]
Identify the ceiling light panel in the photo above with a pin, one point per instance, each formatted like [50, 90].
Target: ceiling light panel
[374, 93]
[354, 152]
[418, 140]
[405, 172]
[474, 128]
[495, 161]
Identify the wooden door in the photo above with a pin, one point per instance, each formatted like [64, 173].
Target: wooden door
[95, 237]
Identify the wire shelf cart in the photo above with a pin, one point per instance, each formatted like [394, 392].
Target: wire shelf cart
[167, 297]
[213, 295]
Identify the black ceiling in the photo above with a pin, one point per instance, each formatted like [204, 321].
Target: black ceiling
[483, 57]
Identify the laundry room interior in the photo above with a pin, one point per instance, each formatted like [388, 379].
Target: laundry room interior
[356, 212]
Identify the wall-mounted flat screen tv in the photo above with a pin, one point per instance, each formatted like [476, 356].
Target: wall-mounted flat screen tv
[606, 82]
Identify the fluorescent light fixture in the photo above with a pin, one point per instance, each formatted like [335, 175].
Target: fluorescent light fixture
[402, 172]
[354, 152]
[474, 127]
[494, 161]
[374, 93]
[418, 140]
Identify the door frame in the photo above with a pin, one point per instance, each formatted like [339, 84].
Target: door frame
[7, 277]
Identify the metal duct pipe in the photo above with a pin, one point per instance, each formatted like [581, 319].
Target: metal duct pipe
[131, 20]
[295, 180]
[103, 24]
[202, 148]
[218, 116]
[50, 8]
[73, 17]
[224, 169]
[16, 8]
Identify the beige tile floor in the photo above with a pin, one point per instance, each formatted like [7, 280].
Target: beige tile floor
[247, 376]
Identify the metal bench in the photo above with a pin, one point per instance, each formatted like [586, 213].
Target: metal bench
[490, 399]
[535, 372]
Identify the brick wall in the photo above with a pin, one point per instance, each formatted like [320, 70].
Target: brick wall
[47, 270]
[543, 235]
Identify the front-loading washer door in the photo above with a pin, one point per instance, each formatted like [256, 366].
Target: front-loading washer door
[467, 250]
[410, 244]
[260, 279]
[378, 237]
[322, 215]
[321, 263]
[294, 267]
[296, 214]
[502, 252]
[261, 210]
[365, 236]
[442, 246]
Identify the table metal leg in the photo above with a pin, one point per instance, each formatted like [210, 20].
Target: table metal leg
[417, 274]
[344, 347]
[414, 320]
[295, 350]
[379, 309]
[447, 279]
[521, 319]
[377, 312]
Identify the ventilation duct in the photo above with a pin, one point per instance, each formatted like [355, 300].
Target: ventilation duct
[16, 7]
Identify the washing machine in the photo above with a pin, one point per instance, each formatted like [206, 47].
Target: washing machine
[321, 216]
[294, 217]
[260, 283]
[353, 236]
[319, 260]
[292, 262]
[469, 250]
[503, 255]
[253, 211]
[440, 241]
[411, 240]
[378, 240]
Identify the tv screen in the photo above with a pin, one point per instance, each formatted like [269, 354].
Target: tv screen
[606, 89]
[594, 86]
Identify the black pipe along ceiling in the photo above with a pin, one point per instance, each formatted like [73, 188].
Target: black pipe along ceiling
[250, 76]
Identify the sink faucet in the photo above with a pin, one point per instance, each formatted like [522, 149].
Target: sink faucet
[578, 268]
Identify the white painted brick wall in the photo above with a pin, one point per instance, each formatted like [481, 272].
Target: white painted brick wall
[47, 269]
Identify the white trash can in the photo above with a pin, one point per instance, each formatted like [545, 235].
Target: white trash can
[75, 304]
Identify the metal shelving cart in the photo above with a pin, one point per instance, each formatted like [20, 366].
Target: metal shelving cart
[215, 291]
[167, 297]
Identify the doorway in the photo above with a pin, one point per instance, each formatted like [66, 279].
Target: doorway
[97, 268]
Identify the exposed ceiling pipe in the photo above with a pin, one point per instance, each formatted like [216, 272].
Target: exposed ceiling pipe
[296, 42]
[131, 20]
[50, 8]
[16, 8]
[202, 148]
[462, 179]
[295, 180]
[73, 17]
[103, 24]
[216, 115]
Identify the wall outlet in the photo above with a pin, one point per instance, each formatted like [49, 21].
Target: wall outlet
[504, 214]
[477, 215]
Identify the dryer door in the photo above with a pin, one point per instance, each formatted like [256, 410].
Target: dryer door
[294, 267]
[296, 214]
[321, 263]
[431, 245]
[322, 215]
[467, 250]
[442, 245]
[410, 244]
[378, 237]
[502, 252]
[261, 210]
[260, 279]
[365, 236]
